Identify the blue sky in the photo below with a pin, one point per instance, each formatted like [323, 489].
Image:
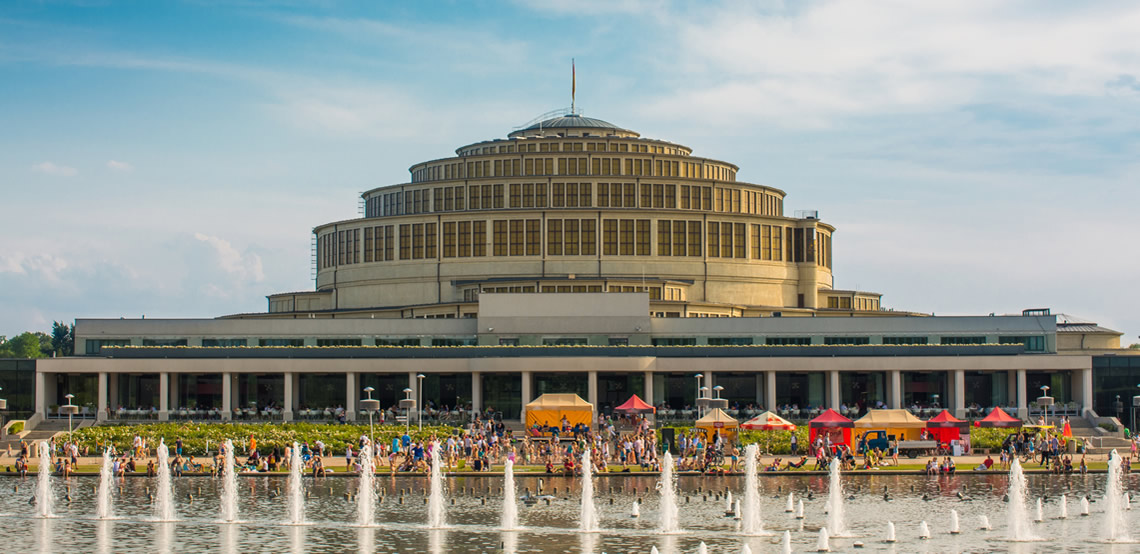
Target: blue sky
[171, 158]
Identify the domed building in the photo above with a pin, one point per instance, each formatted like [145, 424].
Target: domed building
[573, 204]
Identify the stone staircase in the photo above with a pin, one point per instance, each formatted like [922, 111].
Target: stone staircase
[44, 431]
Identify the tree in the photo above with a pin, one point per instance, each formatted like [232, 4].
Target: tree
[62, 339]
[1135, 346]
[24, 345]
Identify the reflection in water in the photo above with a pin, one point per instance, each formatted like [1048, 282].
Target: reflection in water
[510, 542]
[164, 536]
[588, 542]
[668, 544]
[297, 539]
[229, 534]
[436, 539]
[366, 540]
[103, 530]
[45, 535]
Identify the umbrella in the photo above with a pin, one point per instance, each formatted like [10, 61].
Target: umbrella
[768, 421]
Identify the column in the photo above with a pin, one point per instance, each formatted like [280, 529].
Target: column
[175, 403]
[1022, 401]
[101, 402]
[1086, 380]
[592, 390]
[163, 396]
[833, 389]
[350, 395]
[477, 391]
[526, 393]
[287, 411]
[41, 395]
[227, 396]
[113, 392]
[770, 390]
[894, 395]
[647, 396]
[958, 393]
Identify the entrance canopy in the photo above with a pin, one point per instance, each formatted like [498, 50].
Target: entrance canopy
[549, 409]
[635, 405]
[998, 418]
[768, 421]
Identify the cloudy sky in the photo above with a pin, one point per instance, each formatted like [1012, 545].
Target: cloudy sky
[170, 159]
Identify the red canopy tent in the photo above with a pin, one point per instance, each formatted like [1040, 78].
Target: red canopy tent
[831, 423]
[998, 418]
[768, 421]
[635, 405]
[945, 427]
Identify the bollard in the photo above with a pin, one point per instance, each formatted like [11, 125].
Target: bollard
[425, 501]
[483, 501]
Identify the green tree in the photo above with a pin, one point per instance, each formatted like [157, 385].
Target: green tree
[25, 345]
[62, 339]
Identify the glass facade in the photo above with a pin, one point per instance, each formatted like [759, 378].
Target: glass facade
[862, 390]
[1116, 379]
[502, 394]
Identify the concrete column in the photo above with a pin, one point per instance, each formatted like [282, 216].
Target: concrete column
[958, 393]
[1022, 399]
[287, 407]
[770, 390]
[1086, 380]
[1011, 387]
[592, 391]
[227, 396]
[526, 393]
[894, 389]
[174, 395]
[647, 392]
[350, 395]
[833, 389]
[41, 399]
[163, 396]
[477, 391]
[101, 402]
[113, 390]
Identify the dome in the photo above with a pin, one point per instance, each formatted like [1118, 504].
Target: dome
[573, 121]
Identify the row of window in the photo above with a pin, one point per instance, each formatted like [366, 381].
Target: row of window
[533, 145]
[847, 303]
[578, 165]
[1034, 343]
[573, 195]
[655, 292]
[577, 237]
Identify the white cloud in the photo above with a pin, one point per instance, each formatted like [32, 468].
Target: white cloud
[243, 266]
[120, 166]
[49, 168]
[42, 266]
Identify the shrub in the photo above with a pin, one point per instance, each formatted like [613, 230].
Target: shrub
[989, 437]
[1111, 428]
[16, 427]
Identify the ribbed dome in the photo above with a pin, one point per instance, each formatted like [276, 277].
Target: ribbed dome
[572, 121]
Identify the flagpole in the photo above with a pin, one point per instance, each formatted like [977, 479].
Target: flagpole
[573, 84]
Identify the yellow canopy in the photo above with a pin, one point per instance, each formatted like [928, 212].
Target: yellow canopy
[898, 419]
[900, 423]
[717, 420]
[549, 409]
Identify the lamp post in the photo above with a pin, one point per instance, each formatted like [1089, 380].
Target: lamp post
[1045, 405]
[718, 388]
[407, 403]
[370, 406]
[699, 376]
[71, 410]
[420, 400]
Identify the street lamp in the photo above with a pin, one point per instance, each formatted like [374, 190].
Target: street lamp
[370, 406]
[698, 402]
[407, 403]
[718, 388]
[1045, 401]
[70, 409]
[420, 401]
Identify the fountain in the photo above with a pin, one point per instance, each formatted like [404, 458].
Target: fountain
[702, 548]
[670, 514]
[510, 519]
[745, 549]
[164, 497]
[736, 511]
[834, 505]
[1040, 511]
[823, 544]
[1115, 524]
[653, 550]
[296, 489]
[365, 492]
[229, 486]
[791, 507]
[923, 530]
[636, 511]
[753, 522]
[436, 517]
[43, 489]
[1084, 506]
[984, 523]
[1018, 514]
[786, 543]
[800, 509]
[890, 532]
[954, 529]
[1064, 510]
[588, 522]
[103, 501]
